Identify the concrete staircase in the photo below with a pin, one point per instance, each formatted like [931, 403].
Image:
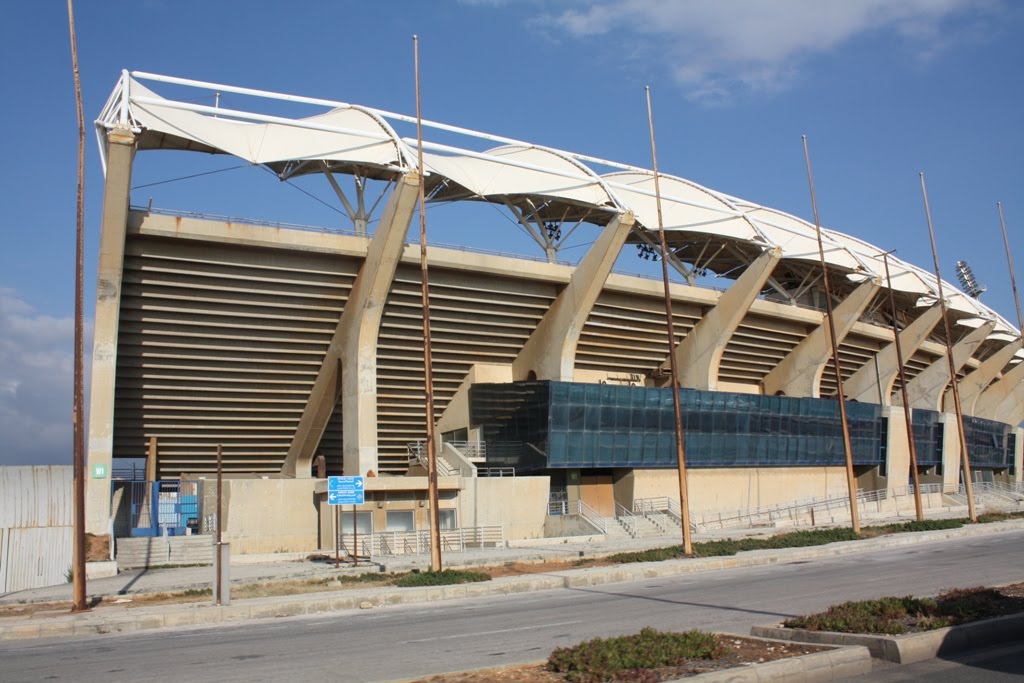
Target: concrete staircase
[133, 553]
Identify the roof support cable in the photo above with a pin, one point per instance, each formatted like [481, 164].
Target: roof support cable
[190, 176]
[305, 192]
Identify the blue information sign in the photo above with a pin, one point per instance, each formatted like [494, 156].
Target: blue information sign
[345, 491]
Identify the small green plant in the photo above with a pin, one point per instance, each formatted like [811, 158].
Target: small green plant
[69, 575]
[998, 516]
[367, 577]
[793, 539]
[914, 525]
[895, 615]
[604, 659]
[446, 577]
[197, 592]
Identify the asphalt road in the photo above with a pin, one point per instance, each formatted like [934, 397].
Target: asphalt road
[405, 641]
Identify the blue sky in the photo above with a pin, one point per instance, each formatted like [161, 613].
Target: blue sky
[882, 88]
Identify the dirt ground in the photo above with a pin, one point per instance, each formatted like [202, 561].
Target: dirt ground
[741, 651]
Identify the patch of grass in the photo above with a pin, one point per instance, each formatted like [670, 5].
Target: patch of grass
[604, 659]
[729, 546]
[197, 592]
[888, 615]
[446, 577]
[895, 615]
[367, 577]
[998, 517]
[914, 525]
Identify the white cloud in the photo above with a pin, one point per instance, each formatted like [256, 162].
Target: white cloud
[36, 366]
[717, 48]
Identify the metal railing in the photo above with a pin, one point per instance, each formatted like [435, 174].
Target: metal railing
[495, 471]
[661, 505]
[418, 454]
[592, 516]
[628, 520]
[470, 449]
[390, 543]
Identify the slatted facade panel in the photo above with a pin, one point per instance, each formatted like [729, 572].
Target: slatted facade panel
[626, 333]
[474, 318]
[854, 352]
[758, 345]
[221, 345]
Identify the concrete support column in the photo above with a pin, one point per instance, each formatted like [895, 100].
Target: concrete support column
[873, 382]
[550, 352]
[700, 353]
[799, 373]
[897, 449]
[925, 391]
[974, 383]
[1011, 411]
[1018, 456]
[116, 197]
[354, 344]
[992, 399]
[950, 450]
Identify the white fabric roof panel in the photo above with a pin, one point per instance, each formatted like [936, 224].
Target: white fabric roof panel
[521, 171]
[684, 206]
[343, 134]
[362, 136]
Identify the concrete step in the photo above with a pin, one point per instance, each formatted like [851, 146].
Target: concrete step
[132, 553]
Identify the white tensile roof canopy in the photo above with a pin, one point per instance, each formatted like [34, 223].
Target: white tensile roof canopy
[536, 182]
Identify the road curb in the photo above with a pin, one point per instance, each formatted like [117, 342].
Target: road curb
[911, 647]
[130, 620]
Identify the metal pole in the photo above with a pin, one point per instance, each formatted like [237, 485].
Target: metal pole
[78, 567]
[851, 480]
[220, 492]
[907, 411]
[684, 497]
[428, 378]
[355, 539]
[964, 457]
[337, 536]
[1009, 262]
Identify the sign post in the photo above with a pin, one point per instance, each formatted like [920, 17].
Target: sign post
[346, 491]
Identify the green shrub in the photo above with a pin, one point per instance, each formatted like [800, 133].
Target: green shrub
[914, 525]
[604, 659]
[366, 577]
[442, 578]
[893, 615]
[888, 615]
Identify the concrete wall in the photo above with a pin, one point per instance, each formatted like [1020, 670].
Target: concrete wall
[519, 503]
[720, 489]
[266, 515]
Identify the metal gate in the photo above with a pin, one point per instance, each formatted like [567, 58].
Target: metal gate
[158, 508]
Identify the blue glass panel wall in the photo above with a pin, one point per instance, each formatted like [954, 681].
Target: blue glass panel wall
[603, 425]
[988, 442]
[927, 436]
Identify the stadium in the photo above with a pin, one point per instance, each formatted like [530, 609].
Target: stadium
[279, 343]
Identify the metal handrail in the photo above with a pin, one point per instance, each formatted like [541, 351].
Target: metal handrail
[418, 542]
[418, 453]
[592, 516]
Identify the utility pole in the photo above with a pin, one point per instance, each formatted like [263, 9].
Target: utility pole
[78, 565]
[851, 479]
[684, 497]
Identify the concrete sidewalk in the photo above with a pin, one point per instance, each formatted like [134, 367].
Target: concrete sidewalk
[122, 619]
